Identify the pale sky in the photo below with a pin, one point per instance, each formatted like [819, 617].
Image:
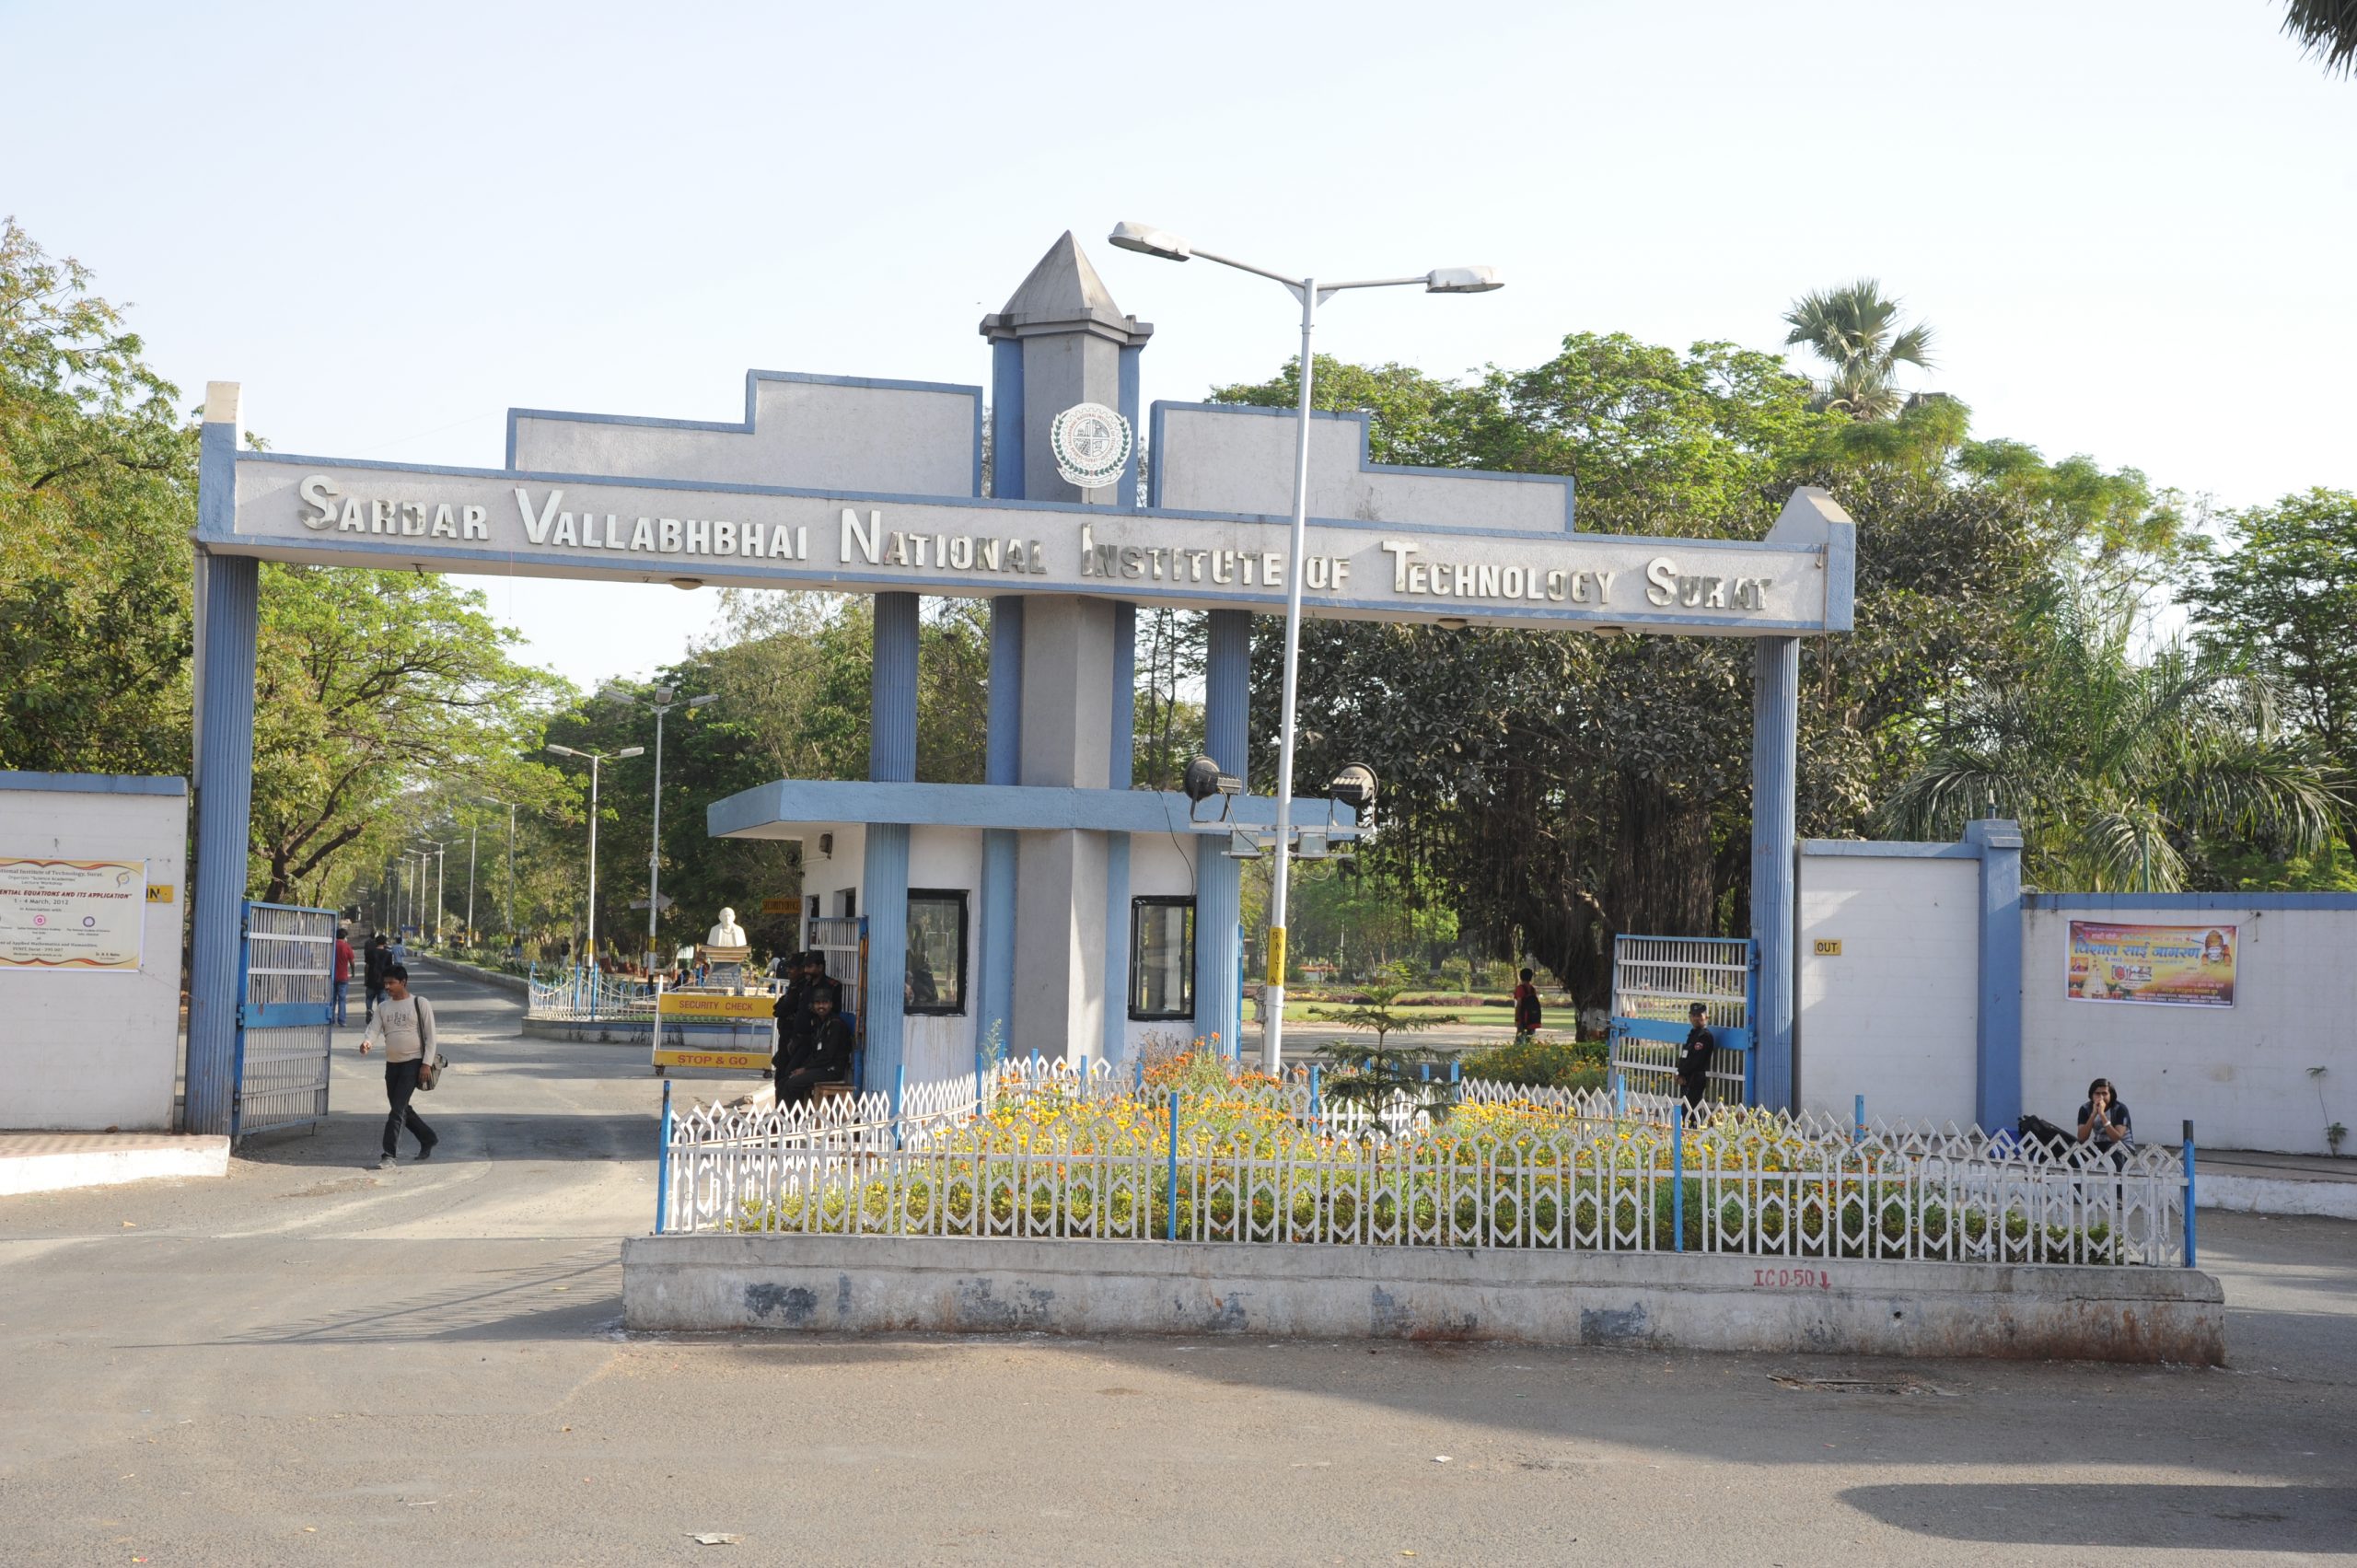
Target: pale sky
[2128, 222]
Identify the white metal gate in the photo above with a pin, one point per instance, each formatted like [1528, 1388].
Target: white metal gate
[1655, 982]
[286, 1024]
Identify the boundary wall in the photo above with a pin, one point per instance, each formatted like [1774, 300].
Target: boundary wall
[1652, 1301]
[1947, 1001]
[95, 1049]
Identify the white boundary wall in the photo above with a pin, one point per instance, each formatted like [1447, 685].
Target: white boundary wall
[1895, 1016]
[2239, 1073]
[89, 1050]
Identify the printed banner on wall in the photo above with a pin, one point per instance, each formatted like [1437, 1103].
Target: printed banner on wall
[2178, 966]
[72, 914]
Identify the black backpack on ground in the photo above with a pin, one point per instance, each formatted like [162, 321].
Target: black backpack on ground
[2038, 1134]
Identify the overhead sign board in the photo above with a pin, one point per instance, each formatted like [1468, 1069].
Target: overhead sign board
[498, 521]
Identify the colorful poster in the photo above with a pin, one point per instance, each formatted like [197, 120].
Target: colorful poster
[2177, 966]
[72, 914]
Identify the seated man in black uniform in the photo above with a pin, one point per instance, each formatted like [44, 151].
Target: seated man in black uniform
[822, 1055]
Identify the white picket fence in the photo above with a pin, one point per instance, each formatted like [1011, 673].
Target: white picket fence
[1605, 1175]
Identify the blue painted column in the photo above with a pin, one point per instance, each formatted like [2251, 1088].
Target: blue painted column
[1007, 421]
[1219, 945]
[1997, 1101]
[1003, 759]
[225, 783]
[1776, 740]
[1119, 774]
[884, 872]
[1126, 494]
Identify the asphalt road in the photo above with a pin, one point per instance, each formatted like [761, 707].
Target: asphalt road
[313, 1363]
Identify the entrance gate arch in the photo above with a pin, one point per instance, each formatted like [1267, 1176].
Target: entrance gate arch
[875, 487]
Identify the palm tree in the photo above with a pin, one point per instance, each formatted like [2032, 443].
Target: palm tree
[1856, 331]
[2116, 769]
[2327, 29]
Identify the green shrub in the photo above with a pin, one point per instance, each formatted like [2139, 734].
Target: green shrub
[1545, 1061]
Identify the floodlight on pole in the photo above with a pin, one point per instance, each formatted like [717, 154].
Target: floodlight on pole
[1147, 241]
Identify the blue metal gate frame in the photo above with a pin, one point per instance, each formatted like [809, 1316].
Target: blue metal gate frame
[285, 1030]
[1733, 1019]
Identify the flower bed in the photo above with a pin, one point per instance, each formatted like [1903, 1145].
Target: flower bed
[1189, 1150]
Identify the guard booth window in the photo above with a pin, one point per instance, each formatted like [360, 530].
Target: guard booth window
[1162, 958]
[936, 975]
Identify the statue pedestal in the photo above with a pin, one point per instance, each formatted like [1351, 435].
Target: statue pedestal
[725, 965]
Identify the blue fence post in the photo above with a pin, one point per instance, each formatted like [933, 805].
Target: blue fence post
[1455, 1070]
[1858, 1120]
[1317, 1094]
[1170, 1220]
[663, 1163]
[2188, 1196]
[900, 1089]
[237, 1018]
[1678, 1180]
[1619, 1098]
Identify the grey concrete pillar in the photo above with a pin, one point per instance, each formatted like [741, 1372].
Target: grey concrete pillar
[1062, 340]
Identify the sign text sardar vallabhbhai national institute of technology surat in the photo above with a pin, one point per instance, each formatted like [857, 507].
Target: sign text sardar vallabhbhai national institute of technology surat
[488, 522]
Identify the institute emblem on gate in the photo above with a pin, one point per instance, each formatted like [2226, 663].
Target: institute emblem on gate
[1091, 445]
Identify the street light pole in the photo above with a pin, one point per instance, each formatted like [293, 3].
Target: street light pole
[511, 873]
[589, 940]
[441, 888]
[664, 702]
[1311, 292]
[471, 827]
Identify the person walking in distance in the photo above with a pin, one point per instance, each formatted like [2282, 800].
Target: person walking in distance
[1527, 1015]
[404, 1026]
[343, 975]
[379, 960]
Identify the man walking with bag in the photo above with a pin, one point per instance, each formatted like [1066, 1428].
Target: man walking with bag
[404, 1023]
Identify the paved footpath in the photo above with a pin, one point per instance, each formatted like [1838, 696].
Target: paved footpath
[313, 1363]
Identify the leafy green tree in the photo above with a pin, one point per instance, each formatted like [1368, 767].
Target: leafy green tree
[1856, 332]
[365, 684]
[97, 487]
[2285, 599]
[2118, 768]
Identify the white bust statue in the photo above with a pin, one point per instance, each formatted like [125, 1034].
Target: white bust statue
[727, 934]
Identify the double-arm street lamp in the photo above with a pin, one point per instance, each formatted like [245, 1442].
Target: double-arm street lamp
[589, 941]
[664, 700]
[1311, 294]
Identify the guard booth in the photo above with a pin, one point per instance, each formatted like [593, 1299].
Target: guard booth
[285, 1018]
[1655, 982]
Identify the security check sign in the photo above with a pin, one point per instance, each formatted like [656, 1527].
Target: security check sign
[708, 1029]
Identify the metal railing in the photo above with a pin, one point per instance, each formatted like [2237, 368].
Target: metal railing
[583, 994]
[1041, 1152]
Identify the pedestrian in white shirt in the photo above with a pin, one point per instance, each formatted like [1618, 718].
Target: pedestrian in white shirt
[404, 1027]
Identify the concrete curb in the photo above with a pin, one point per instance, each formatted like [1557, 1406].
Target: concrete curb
[97, 1165]
[2258, 1195]
[1648, 1301]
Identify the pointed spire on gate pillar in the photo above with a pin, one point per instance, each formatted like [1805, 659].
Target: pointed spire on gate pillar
[1060, 340]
